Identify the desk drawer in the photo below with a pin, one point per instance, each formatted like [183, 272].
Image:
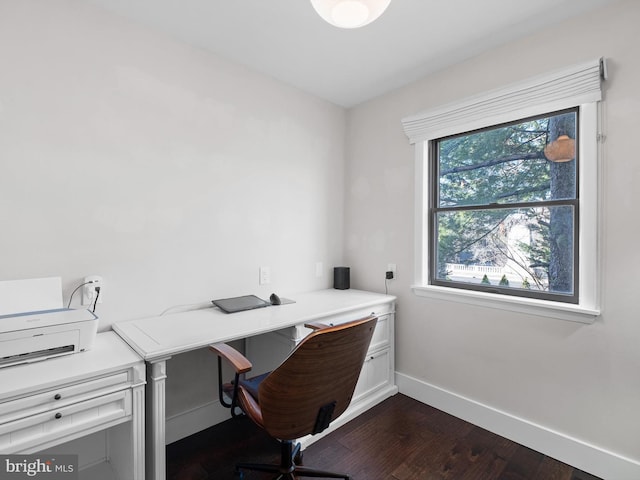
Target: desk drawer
[268, 350]
[55, 423]
[375, 374]
[60, 397]
[382, 334]
[383, 312]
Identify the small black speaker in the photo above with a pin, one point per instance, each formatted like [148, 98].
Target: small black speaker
[341, 278]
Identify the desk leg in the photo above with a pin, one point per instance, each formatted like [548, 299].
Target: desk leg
[156, 406]
[138, 433]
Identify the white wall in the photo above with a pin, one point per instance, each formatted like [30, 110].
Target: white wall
[172, 173]
[579, 382]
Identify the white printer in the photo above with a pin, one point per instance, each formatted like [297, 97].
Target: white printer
[34, 326]
[32, 336]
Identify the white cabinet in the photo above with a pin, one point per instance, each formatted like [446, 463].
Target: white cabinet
[52, 402]
[376, 381]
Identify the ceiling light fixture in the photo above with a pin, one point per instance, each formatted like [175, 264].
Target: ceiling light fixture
[350, 13]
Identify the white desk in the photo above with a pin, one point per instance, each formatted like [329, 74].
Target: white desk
[47, 403]
[156, 339]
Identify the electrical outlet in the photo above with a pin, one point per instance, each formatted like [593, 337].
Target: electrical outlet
[391, 267]
[265, 276]
[89, 291]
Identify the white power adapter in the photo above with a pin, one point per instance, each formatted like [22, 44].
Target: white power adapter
[89, 291]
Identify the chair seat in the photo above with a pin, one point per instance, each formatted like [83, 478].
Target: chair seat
[252, 384]
[247, 396]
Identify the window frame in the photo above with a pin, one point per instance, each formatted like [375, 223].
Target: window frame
[494, 108]
[432, 210]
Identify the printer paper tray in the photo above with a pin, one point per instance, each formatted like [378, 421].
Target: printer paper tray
[37, 347]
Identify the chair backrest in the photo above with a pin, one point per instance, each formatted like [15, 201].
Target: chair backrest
[314, 385]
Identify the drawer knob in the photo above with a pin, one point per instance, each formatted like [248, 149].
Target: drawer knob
[57, 396]
[58, 415]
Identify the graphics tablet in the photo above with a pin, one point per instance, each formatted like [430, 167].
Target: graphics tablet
[239, 304]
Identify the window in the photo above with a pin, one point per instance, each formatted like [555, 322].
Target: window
[502, 214]
[504, 218]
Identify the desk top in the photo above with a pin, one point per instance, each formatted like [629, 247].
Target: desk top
[160, 337]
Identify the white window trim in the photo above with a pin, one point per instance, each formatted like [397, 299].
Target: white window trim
[575, 86]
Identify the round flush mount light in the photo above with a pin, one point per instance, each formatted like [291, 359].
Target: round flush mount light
[563, 149]
[350, 13]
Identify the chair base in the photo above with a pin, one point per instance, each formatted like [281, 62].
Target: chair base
[288, 470]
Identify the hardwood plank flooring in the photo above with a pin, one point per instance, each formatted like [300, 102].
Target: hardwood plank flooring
[399, 439]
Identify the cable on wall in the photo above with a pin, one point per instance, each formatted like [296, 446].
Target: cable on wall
[78, 288]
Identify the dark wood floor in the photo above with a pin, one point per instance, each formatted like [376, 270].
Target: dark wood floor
[399, 439]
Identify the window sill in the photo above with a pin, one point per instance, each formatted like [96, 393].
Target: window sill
[561, 311]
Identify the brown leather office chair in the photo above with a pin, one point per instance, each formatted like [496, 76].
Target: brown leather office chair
[302, 396]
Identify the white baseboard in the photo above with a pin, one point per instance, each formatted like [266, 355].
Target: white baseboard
[590, 458]
[195, 420]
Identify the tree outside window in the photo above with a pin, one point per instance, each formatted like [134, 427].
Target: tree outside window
[503, 209]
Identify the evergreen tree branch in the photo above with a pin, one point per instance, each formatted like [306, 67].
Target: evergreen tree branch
[496, 161]
[537, 188]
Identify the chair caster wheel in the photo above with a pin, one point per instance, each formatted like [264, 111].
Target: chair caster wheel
[298, 458]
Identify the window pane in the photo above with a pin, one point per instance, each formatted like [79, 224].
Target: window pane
[508, 248]
[507, 164]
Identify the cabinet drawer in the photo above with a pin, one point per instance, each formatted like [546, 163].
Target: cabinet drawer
[375, 374]
[60, 397]
[55, 423]
[297, 333]
[378, 310]
[382, 333]
[269, 350]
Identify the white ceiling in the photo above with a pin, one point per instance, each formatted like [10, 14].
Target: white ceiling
[287, 40]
